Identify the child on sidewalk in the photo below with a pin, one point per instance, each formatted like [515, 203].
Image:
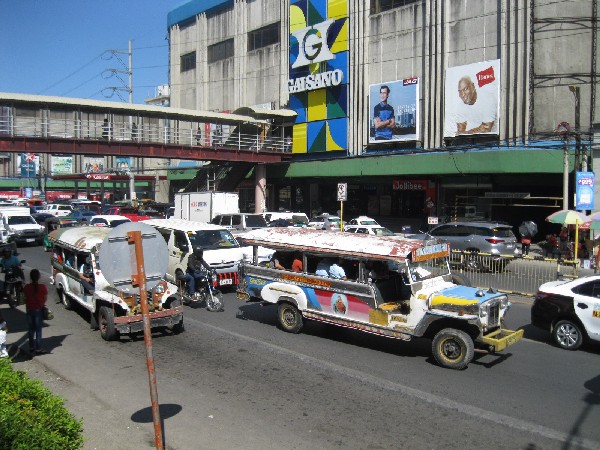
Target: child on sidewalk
[3, 330]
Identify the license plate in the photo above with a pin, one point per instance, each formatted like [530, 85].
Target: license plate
[226, 281]
[509, 246]
[29, 240]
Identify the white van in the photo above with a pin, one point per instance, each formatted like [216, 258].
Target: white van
[19, 222]
[112, 311]
[296, 219]
[221, 251]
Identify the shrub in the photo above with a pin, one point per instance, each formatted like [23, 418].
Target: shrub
[32, 417]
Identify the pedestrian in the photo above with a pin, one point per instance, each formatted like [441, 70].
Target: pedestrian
[3, 331]
[36, 295]
[525, 244]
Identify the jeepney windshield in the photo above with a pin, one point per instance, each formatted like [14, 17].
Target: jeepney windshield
[212, 239]
[429, 268]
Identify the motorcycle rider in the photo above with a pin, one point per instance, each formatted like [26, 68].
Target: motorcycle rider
[196, 268]
[9, 260]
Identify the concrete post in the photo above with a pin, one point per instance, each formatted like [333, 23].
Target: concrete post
[260, 188]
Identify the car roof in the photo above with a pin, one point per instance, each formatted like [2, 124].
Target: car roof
[110, 217]
[183, 225]
[478, 223]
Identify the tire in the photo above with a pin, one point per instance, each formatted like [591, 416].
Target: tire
[178, 327]
[215, 302]
[289, 318]
[567, 335]
[64, 299]
[453, 349]
[106, 322]
[460, 279]
[11, 295]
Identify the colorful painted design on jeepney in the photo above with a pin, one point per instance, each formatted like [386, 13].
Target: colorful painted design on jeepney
[339, 304]
[461, 295]
[305, 280]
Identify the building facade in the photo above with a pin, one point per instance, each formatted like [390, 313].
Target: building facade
[457, 100]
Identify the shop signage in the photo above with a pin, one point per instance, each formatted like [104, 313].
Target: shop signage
[98, 176]
[584, 191]
[408, 185]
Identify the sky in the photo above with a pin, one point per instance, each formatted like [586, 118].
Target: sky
[62, 47]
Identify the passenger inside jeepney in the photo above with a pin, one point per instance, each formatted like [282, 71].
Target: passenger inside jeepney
[86, 273]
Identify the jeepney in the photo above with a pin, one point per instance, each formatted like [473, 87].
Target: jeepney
[54, 223]
[394, 287]
[111, 310]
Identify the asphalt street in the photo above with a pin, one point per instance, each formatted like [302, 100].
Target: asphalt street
[234, 380]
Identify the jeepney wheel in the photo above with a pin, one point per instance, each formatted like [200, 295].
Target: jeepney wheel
[106, 321]
[567, 335]
[64, 299]
[289, 318]
[453, 348]
[460, 279]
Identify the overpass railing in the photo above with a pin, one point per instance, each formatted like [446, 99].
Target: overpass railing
[219, 136]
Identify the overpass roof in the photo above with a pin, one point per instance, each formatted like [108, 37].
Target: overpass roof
[147, 110]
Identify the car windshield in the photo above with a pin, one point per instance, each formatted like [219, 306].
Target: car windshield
[382, 232]
[300, 220]
[334, 219]
[503, 232]
[368, 222]
[21, 220]
[430, 268]
[116, 223]
[256, 221]
[212, 239]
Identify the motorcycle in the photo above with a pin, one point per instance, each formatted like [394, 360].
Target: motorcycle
[205, 292]
[13, 286]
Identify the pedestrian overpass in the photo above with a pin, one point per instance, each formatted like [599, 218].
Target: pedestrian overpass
[59, 125]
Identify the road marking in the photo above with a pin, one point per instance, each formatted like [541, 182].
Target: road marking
[473, 411]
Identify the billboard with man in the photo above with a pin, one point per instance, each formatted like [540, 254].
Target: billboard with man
[394, 111]
[472, 99]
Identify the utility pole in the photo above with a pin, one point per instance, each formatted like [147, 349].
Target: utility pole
[563, 129]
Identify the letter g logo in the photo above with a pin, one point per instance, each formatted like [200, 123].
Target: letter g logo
[313, 44]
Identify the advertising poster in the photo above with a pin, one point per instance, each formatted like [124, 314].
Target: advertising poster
[123, 164]
[472, 99]
[584, 191]
[61, 165]
[93, 165]
[29, 165]
[394, 111]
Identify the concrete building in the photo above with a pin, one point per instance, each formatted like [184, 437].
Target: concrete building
[459, 100]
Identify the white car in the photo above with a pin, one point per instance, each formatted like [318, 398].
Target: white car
[570, 310]
[111, 221]
[325, 222]
[360, 220]
[375, 230]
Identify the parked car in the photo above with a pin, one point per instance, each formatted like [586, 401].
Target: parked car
[240, 221]
[360, 221]
[570, 310]
[111, 221]
[375, 230]
[296, 219]
[81, 215]
[325, 222]
[494, 238]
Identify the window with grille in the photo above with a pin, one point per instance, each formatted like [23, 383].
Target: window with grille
[378, 6]
[263, 37]
[220, 51]
[188, 61]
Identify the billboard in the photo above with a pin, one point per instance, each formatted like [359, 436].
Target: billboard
[584, 191]
[28, 165]
[394, 111]
[61, 165]
[472, 99]
[123, 164]
[93, 164]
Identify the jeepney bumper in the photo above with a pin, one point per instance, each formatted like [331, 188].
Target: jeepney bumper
[165, 318]
[499, 339]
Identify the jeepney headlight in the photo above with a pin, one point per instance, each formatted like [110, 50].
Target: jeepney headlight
[159, 289]
[214, 277]
[482, 312]
[504, 302]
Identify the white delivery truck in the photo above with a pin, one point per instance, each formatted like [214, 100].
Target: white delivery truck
[20, 226]
[204, 206]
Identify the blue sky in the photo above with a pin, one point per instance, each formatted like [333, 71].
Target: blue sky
[58, 47]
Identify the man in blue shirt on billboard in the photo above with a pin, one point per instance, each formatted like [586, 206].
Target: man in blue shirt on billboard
[383, 115]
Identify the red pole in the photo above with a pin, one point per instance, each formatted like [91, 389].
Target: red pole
[135, 237]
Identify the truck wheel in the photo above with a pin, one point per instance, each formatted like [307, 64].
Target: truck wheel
[289, 318]
[453, 348]
[460, 279]
[64, 299]
[567, 335]
[106, 321]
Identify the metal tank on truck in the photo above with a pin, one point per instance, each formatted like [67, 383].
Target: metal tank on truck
[204, 206]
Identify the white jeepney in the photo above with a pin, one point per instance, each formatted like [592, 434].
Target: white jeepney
[395, 287]
[112, 311]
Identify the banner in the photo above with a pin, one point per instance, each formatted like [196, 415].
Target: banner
[123, 164]
[29, 165]
[93, 164]
[584, 191]
[394, 111]
[61, 165]
[472, 99]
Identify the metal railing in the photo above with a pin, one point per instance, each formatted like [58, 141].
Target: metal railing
[519, 275]
[146, 133]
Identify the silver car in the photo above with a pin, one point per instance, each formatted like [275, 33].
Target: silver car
[494, 238]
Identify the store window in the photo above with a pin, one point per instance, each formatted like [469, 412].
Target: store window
[378, 6]
[188, 61]
[220, 51]
[263, 37]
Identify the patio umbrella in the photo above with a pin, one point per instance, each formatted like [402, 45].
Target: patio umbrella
[594, 217]
[528, 228]
[569, 217]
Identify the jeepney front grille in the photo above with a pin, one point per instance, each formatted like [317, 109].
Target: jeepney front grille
[494, 315]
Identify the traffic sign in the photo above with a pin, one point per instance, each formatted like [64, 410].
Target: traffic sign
[342, 192]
